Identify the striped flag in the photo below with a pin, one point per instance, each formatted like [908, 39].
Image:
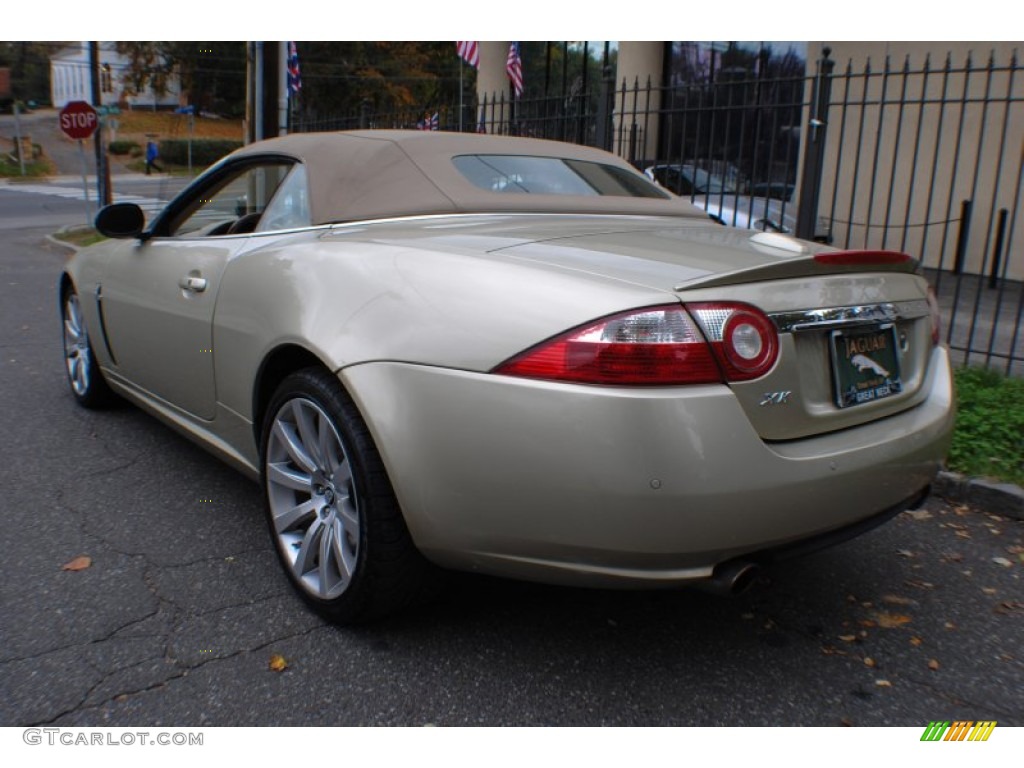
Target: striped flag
[514, 67]
[470, 52]
[294, 77]
[429, 123]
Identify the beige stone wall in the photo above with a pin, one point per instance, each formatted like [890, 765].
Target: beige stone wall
[917, 158]
[638, 61]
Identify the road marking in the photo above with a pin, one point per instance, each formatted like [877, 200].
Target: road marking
[72, 193]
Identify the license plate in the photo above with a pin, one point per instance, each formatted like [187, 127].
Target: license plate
[865, 365]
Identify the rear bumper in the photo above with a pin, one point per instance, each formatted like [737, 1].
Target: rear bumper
[606, 486]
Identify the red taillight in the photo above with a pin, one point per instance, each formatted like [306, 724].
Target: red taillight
[742, 337]
[860, 258]
[657, 346]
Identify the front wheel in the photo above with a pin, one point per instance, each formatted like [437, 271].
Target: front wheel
[332, 513]
[84, 376]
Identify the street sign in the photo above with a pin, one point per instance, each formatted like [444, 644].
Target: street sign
[78, 120]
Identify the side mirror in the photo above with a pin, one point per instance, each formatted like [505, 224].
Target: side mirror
[120, 220]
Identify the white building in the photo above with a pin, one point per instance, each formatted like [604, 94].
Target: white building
[70, 79]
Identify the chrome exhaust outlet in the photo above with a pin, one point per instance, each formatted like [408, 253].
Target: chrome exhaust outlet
[732, 578]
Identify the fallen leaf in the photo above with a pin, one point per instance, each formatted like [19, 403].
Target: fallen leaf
[962, 510]
[952, 557]
[897, 600]
[278, 663]
[1015, 549]
[1003, 562]
[869, 662]
[920, 514]
[892, 620]
[863, 633]
[919, 584]
[905, 553]
[883, 683]
[989, 590]
[867, 604]
[831, 650]
[950, 625]
[848, 638]
[1008, 606]
[78, 564]
[868, 623]
[916, 641]
[933, 665]
[851, 599]
[963, 534]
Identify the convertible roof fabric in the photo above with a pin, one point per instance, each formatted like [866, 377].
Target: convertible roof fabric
[360, 175]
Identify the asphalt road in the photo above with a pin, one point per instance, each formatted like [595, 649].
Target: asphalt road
[182, 606]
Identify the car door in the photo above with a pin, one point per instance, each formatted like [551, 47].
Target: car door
[159, 295]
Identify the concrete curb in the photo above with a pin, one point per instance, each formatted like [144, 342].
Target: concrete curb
[1003, 499]
[63, 243]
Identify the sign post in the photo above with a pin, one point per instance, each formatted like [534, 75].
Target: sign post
[78, 121]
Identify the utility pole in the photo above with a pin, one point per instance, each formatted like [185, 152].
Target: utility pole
[103, 192]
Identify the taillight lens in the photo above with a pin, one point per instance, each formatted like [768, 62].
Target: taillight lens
[742, 338]
[657, 346]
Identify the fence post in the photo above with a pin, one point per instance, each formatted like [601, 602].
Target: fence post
[814, 148]
[605, 107]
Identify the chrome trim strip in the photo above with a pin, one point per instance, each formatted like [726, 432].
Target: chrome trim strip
[845, 317]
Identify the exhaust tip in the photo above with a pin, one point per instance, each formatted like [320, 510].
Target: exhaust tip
[733, 578]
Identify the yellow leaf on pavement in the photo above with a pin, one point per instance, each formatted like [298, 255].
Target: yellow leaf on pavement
[78, 564]
[891, 620]
[278, 663]
[933, 665]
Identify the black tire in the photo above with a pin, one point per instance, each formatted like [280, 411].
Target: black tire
[85, 378]
[326, 492]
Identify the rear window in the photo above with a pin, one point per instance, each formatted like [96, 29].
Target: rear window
[523, 174]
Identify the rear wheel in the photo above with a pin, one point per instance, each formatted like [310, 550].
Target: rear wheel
[331, 509]
[84, 376]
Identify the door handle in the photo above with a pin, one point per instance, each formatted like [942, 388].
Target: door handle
[192, 283]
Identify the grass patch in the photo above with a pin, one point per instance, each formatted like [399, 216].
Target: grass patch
[136, 124]
[12, 169]
[989, 436]
[80, 236]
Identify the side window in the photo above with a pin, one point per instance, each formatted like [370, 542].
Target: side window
[290, 207]
[233, 205]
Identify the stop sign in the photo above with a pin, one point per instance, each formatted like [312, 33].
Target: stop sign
[78, 120]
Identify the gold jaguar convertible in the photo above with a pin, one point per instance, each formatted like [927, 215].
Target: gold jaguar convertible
[510, 356]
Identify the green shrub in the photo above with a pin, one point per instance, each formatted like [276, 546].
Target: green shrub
[989, 436]
[204, 151]
[123, 147]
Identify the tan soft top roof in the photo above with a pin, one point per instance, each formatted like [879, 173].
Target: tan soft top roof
[358, 175]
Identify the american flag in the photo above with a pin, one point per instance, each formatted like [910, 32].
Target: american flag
[294, 77]
[431, 123]
[470, 52]
[514, 67]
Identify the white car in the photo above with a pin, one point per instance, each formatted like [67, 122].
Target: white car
[722, 199]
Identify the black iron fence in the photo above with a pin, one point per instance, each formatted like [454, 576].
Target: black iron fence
[927, 159]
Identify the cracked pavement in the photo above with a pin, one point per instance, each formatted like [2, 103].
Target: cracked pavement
[183, 605]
